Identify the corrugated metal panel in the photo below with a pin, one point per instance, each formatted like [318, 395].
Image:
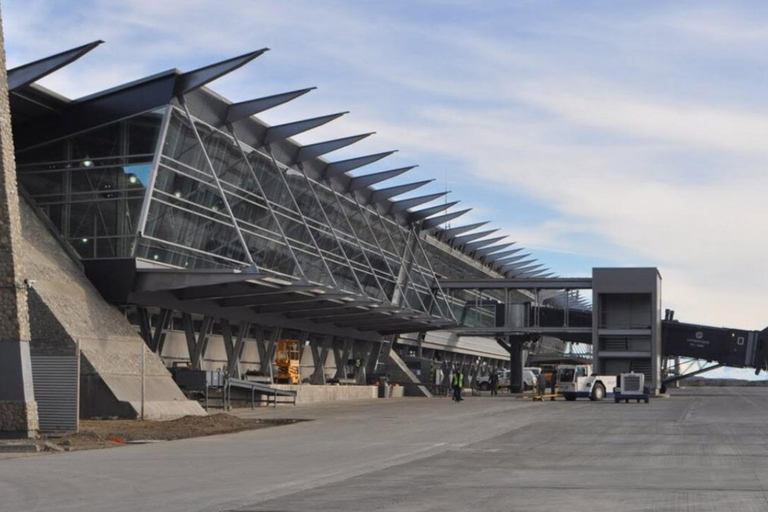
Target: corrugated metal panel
[56, 381]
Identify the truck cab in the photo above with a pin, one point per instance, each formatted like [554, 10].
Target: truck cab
[578, 381]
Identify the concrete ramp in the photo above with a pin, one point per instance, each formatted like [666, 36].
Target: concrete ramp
[66, 311]
[399, 372]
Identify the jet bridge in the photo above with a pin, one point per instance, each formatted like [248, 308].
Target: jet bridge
[624, 325]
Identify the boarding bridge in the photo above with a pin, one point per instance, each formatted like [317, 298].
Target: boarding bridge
[625, 325]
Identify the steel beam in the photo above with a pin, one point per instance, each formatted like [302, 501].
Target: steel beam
[556, 283]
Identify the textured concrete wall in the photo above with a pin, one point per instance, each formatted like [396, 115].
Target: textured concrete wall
[311, 393]
[67, 311]
[18, 411]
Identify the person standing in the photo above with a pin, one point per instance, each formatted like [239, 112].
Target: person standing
[542, 381]
[457, 384]
[494, 383]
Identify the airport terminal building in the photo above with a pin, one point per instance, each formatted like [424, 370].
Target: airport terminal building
[216, 235]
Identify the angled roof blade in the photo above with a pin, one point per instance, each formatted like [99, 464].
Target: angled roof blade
[531, 273]
[428, 212]
[497, 259]
[524, 270]
[434, 222]
[534, 273]
[383, 194]
[449, 233]
[404, 204]
[458, 241]
[187, 82]
[314, 150]
[342, 166]
[488, 250]
[517, 265]
[473, 246]
[283, 131]
[511, 262]
[359, 182]
[544, 276]
[27, 73]
[244, 109]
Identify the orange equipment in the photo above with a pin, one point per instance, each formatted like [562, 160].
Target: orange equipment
[287, 361]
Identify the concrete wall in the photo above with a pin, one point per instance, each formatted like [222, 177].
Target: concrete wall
[18, 409]
[312, 393]
[66, 311]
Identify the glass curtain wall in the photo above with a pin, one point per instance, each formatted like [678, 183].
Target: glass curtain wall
[469, 306]
[91, 185]
[188, 226]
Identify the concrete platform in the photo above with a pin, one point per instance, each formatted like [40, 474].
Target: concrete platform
[704, 449]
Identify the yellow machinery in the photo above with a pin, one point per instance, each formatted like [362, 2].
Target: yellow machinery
[287, 361]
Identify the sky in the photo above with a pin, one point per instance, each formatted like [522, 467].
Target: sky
[593, 133]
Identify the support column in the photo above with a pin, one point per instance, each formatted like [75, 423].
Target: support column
[18, 409]
[515, 347]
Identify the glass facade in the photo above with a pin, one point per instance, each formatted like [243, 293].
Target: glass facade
[92, 185]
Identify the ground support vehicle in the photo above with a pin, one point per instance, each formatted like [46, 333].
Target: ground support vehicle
[632, 387]
[577, 381]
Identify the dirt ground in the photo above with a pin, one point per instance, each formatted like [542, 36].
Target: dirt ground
[112, 433]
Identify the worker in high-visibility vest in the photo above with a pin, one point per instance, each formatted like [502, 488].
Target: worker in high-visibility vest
[458, 384]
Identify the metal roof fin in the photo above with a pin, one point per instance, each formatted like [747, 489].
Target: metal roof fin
[442, 219]
[283, 131]
[458, 241]
[342, 166]
[191, 80]
[404, 204]
[359, 182]
[383, 194]
[449, 233]
[244, 109]
[314, 150]
[487, 250]
[473, 246]
[428, 212]
[32, 72]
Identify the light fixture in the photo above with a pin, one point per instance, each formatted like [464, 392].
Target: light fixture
[87, 162]
[156, 256]
[177, 194]
[132, 179]
[85, 240]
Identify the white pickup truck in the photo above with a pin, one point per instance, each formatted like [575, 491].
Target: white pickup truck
[529, 379]
[577, 381]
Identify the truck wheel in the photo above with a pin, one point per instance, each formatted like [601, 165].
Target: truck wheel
[570, 398]
[647, 400]
[484, 386]
[598, 393]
